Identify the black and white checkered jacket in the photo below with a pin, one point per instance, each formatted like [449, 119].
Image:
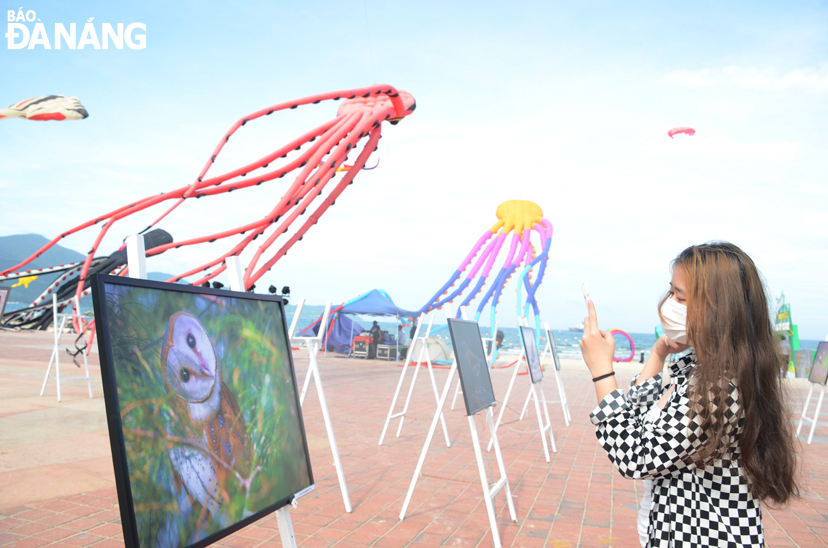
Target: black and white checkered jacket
[692, 506]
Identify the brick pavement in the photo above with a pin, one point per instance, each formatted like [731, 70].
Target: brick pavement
[57, 488]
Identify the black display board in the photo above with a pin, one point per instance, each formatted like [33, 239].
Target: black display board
[527, 334]
[819, 371]
[555, 357]
[472, 365]
[203, 410]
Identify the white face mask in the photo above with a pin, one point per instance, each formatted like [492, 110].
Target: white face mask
[674, 320]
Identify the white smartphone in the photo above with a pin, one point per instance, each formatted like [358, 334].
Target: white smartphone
[585, 287]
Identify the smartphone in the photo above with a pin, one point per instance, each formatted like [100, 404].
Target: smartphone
[585, 287]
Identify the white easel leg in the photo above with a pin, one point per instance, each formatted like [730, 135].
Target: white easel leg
[816, 415]
[88, 378]
[432, 428]
[437, 400]
[546, 414]
[394, 402]
[49, 369]
[329, 427]
[285, 527]
[802, 418]
[562, 394]
[540, 423]
[526, 405]
[487, 497]
[456, 393]
[305, 386]
[505, 401]
[401, 415]
[501, 464]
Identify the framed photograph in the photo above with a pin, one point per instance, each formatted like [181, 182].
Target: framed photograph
[203, 409]
[819, 371]
[552, 345]
[472, 365]
[527, 334]
[4, 298]
[803, 360]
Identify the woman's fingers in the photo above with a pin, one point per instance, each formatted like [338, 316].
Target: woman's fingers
[593, 318]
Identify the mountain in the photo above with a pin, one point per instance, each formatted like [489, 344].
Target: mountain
[15, 249]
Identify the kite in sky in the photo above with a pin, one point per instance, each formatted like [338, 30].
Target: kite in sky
[47, 107]
[677, 130]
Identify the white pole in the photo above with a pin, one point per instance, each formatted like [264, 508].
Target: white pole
[136, 256]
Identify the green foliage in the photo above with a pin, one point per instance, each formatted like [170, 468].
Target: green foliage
[248, 336]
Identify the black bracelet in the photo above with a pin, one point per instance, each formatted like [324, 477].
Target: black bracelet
[596, 379]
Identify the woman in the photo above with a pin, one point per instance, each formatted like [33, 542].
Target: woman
[714, 438]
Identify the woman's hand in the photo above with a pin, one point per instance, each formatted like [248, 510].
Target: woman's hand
[597, 347]
[665, 346]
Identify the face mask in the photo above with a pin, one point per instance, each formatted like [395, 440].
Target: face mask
[674, 320]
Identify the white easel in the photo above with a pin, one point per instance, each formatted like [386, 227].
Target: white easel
[805, 418]
[544, 425]
[457, 389]
[423, 350]
[488, 491]
[563, 401]
[60, 322]
[313, 344]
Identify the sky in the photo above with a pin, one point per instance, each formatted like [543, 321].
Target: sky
[564, 104]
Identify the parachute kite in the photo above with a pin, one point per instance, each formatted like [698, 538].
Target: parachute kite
[357, 125]
[48, 107]
[677, 130]
[521, 219]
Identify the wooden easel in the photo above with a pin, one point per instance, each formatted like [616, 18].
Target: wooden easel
[313, 344]
[423, 350]
[544, 425]
[489, 491]
[563, 401]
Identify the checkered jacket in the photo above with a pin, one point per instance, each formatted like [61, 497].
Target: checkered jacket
[693, 506]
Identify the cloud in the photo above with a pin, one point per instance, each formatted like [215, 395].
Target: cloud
[764, 79]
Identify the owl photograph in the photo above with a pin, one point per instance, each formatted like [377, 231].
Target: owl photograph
[211, 427]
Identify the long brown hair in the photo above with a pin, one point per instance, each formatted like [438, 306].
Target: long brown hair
[728, 324]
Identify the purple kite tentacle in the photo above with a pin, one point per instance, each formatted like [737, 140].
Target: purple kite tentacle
[454, 294]
[473, 293]
[428, 306]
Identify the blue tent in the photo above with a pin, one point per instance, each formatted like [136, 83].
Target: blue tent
[374, 303]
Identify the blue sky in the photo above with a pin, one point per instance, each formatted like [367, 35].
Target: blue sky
[566, 105]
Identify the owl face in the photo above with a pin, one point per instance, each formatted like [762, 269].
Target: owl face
[190, 359]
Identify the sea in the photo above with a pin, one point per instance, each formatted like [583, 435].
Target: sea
[566, 341]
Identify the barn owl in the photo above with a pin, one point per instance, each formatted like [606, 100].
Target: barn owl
[209, 410]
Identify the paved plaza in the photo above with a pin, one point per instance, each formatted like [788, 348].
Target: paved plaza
[57, 486]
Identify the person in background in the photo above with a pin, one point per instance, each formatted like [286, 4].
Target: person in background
[401, 335]
[413, 329]
[785, 350]
[376, 334]
[714, 441]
